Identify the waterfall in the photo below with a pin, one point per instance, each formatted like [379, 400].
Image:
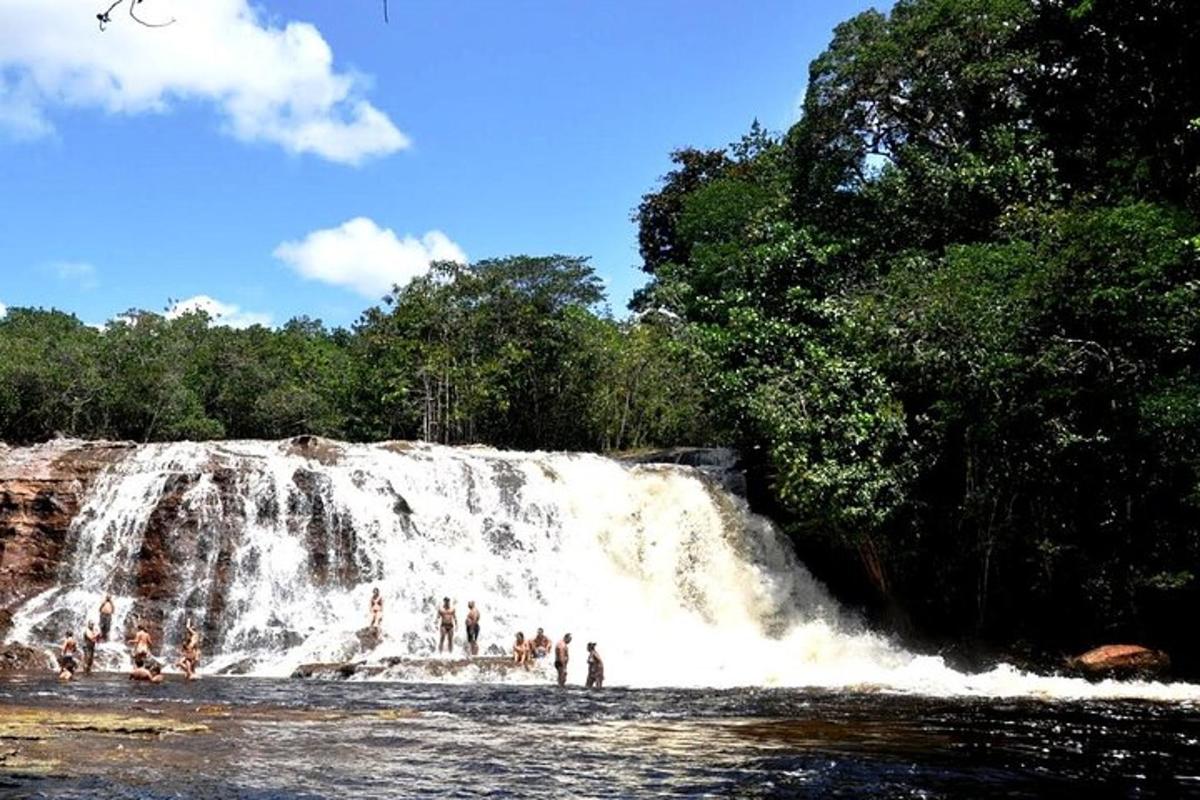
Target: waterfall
[273, 549]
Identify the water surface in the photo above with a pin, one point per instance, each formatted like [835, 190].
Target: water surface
[269, 738]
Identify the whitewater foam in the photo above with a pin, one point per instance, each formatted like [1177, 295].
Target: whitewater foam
[277, 547]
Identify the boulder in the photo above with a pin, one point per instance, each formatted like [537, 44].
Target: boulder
[1121, 661]
[17, 657]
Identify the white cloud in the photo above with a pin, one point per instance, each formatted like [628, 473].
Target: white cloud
[220, 313]
[78, 273]
[270, 83]
[360, 255]
[3, 311]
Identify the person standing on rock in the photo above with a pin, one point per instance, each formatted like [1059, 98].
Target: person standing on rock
[66, 657]
[106, 612]
[472, 628]
[376, 610]
[90, 637]
[190, 658]
[447, 619]
[595, 676]
[562, 655]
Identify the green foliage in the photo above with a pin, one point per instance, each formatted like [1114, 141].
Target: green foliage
[957, 307]
[505, 351]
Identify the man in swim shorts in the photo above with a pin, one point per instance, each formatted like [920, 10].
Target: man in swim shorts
[472, 628]
[447, 619]
[561, 656]
[90, 637]
[66, 657]
[106, 612]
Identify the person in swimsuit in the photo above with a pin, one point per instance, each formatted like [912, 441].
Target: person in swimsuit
[447, 623]
[190, 658]
[521, 650]
[562, 655]
[540, 644]
[106, 612]
[90, 637]
[141, 645]
[376, 609]
[595, 678]
[472, 628]
[66, 657]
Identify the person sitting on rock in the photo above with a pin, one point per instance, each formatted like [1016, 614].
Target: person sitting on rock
[521, 651]
[376, 610]
[595, 664]
[106, 613]
[90, 637]
[66, 657]
[540, 645]
[141, 642]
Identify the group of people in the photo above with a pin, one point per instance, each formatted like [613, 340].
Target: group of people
[145, 666]
[525, 651]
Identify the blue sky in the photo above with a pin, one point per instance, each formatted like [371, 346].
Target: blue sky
[282, 168]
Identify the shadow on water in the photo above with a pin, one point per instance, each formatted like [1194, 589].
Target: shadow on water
[259, 738]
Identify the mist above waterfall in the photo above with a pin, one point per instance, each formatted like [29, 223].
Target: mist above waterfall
[273, 549]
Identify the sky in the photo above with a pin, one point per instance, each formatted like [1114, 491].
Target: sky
[274, 159]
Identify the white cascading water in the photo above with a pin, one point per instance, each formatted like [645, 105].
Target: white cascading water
[675, 579]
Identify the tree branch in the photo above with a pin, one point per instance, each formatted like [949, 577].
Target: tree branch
[105, 16]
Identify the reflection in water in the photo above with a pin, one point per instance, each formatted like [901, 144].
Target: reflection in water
[283, 739]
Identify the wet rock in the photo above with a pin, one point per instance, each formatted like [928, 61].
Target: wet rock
[243, 667]
[54, 626]
[328, 534]
[718, 463]
[41, 491]
[17, 657]
[404, 666]
[328, 671]
[1121, 661]
[323, 451]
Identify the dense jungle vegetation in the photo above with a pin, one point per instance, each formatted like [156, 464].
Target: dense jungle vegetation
[951, 317]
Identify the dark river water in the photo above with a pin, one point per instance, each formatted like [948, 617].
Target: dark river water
[269, 738]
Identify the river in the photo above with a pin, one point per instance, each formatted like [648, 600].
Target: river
[275, 738]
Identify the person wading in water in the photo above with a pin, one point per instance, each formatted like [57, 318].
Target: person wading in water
[447, 623]
[106, 612]
[562, 655]
[472, 628]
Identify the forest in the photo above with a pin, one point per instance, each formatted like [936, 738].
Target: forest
[950, 318]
